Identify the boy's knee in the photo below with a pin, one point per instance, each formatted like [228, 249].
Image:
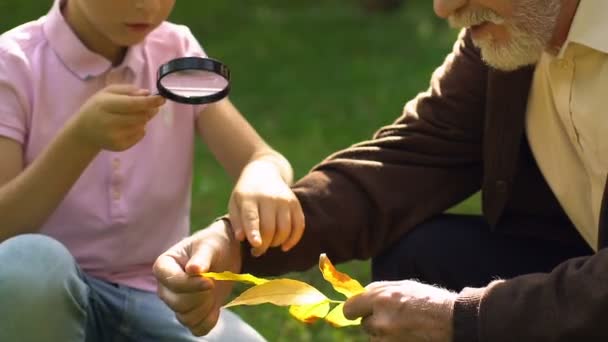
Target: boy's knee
[40, 285]
[35, 266]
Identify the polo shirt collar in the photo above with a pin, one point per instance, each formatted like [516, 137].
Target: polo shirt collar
[81, 61]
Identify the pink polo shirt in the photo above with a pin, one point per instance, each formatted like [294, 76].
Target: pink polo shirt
[127, 207]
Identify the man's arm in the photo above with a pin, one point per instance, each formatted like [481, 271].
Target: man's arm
[360, 200]
[568, 304]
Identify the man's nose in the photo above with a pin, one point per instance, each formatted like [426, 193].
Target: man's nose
[443, 8]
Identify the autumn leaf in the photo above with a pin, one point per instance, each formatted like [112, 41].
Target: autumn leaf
[307, 304]
[340, 281]
[309, 313]
[282, 292]
[336, 318]
[244, 278]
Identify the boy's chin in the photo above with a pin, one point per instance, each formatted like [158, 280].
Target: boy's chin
[130, 41]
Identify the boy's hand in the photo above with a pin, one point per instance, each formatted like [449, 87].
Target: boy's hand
[263, 209]
[197, 300]
[115, 118]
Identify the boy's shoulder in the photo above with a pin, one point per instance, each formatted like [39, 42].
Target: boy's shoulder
[19, 42]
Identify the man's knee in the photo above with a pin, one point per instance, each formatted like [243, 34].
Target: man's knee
[420, 252]
[401, 260]
[36, 271]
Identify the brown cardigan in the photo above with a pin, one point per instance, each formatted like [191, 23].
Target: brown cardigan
[466, 133]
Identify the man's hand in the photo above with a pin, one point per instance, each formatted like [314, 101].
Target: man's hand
[264, 210]
[197, 300]
[404, 311]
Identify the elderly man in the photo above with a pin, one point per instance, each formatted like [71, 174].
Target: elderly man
[517, 111]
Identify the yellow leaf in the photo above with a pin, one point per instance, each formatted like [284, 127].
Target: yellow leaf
[306, 303]
[244, 278]
[309, 313]
[336, 318]
[281, 292]
[340, 281]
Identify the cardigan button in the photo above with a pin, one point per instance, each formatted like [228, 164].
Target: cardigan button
[501, 187]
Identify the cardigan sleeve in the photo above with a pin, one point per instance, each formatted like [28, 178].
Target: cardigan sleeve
[362, 199]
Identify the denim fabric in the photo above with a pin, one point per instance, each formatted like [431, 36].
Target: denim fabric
[44, 296]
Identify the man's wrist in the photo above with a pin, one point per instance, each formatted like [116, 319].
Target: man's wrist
[465, 315]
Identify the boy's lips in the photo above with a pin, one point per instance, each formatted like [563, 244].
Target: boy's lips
[139, 27]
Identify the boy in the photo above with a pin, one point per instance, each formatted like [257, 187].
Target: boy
[89, 165]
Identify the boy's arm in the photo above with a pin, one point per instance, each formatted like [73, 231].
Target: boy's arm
[235, 143]
[262, 207]
[112, 119]
[28, 196]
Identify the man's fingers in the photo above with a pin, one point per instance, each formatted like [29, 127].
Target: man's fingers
[372, 327]
[250, 218]
[358, 306]
[297, 226]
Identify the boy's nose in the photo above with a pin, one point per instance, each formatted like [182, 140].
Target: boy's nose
[443, 8]
[147, 5]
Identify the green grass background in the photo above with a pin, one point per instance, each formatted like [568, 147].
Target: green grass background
[312, 76]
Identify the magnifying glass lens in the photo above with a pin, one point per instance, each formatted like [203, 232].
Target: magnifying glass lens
[193, 80]
[194, 83]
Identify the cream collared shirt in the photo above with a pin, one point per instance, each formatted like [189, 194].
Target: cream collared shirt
[567, 118]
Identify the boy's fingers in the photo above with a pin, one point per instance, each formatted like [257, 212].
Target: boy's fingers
[172, 276]
[235, 220]
[123, 89]
[267, 211]
[136, 119]
[297, 226]
[250, 219]
[202, 256]
[129, 104]
[283, 227]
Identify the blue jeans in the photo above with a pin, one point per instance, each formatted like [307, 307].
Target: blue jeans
[44, 296]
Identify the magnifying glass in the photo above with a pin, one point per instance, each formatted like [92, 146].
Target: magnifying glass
[193, 80]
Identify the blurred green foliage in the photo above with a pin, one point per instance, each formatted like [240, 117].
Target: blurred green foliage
[312, 77]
